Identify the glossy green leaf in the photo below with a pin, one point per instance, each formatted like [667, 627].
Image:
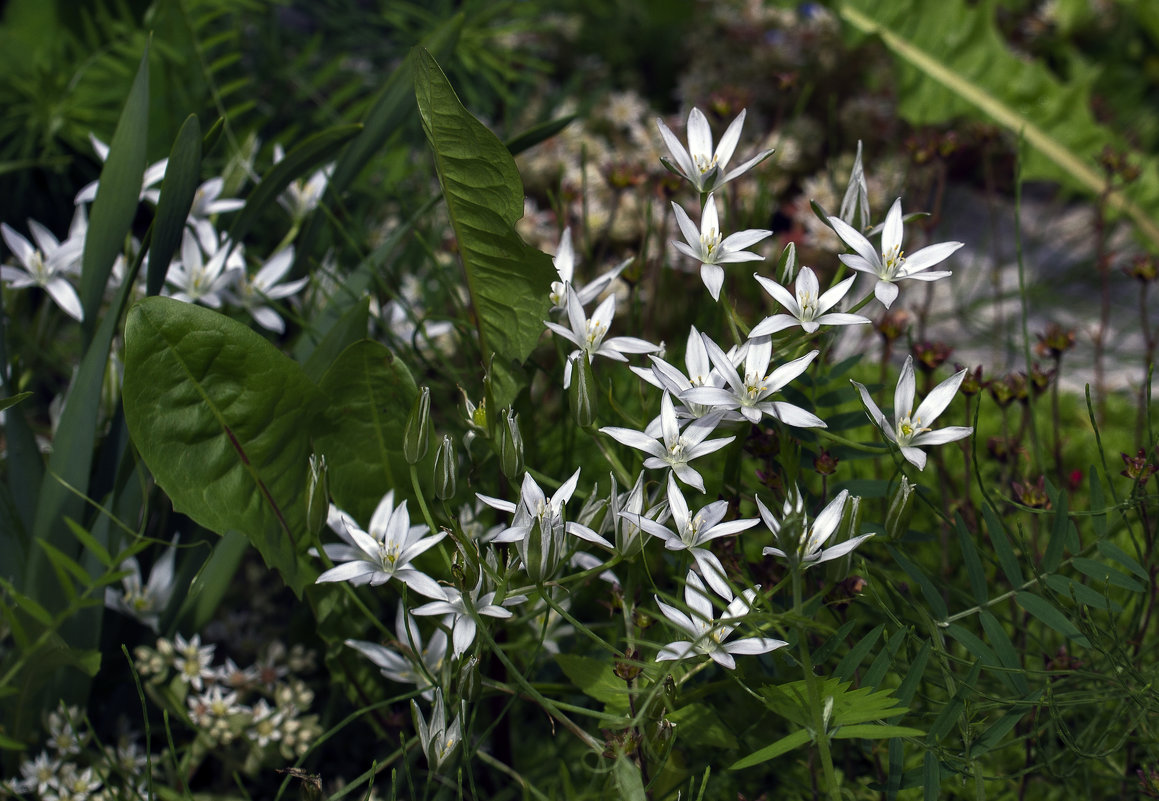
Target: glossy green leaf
[975, 572]
[953, 61]
[311, 154]
[1049, 614]
[223, 420]
[507, 279]
[370, 394]
[773, 750]
[181, 178]
[118, 196]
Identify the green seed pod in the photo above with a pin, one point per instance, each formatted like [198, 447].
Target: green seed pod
[418, 428]
[583, 393]
[446, 467]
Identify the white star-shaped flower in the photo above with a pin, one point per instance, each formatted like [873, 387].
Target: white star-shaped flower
[803, 543]
[808, 309]
[710, 248]
[699, 163]
[910, 429]
[564, 261]
[891, 264]
[588, 333]
[45, 265]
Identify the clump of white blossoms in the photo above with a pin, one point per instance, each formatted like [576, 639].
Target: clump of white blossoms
[911, 429]
[44, 265]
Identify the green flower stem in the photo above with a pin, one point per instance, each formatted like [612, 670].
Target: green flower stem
[414, 482]
[548, 706]
[621, 472]
[288, 239]
[848, 443]
[487, 759]
[580, 627]
[730, 318]
[820, 725]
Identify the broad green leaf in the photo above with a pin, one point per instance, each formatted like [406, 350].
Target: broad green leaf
[1002, 547]
[312, 153]
[773, 750]
[974, 570]
[700, 727]
[1049, 614]
[345, 331]
[953, 62]
[370, 394]
[118, 195]
[212, 581]
[874, 731]
[507, 279]
[595, 678]
[222, 419]
[177, 192]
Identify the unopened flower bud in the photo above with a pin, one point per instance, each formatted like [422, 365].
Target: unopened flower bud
[900, 509]
[418, 428]
[510, 446]
[582, 394]
[542, 550]
[469, 681]
[825, 463]
[317, 495]
[446, 467]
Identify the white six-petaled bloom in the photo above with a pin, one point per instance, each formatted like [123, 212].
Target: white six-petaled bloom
[144, 603]
[699, 163]
[197, 280]
[708, 246]
[302, 197]
[564, 261]
[384, 552]
[44, 266]
[677, 447]
[693, 532]
[588, 333]
[439, 741]
[153, 175]
[891, 264]
[253, 294]
[910, 429]
[459, 616]
[750, 395]
[802, 543]
[808, 309]
[410, 662]
[709, 635]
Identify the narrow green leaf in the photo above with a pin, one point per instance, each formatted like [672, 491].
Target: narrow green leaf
[8, 403]
[1058, 532]
[933, 597]
[629, 781]
[852, 660]
[8, 744]
[1098, 504]
[952, 712]
[90, 542]
[1080, 593]
[538, 133]
[1049, 614]
[370, 395]
[177, 192]
[1005, 650]
[974, 645]
[1102, 573]
[931, 777]
[913, 676]
[998, 730]
[826, 650]
[773, 750]
[874, 731]
[312, 153]
[27, 604]
[118, 195]
[212, 581]
[1117, 554]
[223, 421]
[883, 661]
[975, 572]
[508, 280]
[1002, 548]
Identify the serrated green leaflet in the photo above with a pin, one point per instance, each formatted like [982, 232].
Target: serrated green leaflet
[222, 419]
[508, 280]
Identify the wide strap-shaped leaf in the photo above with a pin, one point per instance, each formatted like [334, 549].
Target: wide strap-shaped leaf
[508, 280]
[118, 195]
[223, 420]
[371, 393]
[177, 193]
